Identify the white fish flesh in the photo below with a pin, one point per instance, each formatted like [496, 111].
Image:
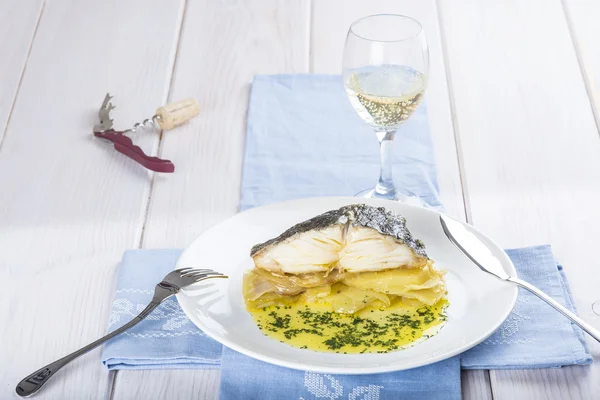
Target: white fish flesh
[355, 238]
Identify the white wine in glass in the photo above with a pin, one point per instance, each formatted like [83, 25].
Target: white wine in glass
[386, 63]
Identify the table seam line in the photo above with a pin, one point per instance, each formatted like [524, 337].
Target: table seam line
[455, 127]
[458, 148]
[160, 138]
[309, 58]
[113, 383]
[582, 70]
[22, 75]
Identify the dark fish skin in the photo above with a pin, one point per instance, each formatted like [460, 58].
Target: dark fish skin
[385, 222]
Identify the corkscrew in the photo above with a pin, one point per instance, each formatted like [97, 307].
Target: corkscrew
[165, 117]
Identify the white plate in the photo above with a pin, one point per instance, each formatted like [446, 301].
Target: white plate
[479, 303]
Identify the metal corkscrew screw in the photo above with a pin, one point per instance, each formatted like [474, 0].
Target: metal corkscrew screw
[165, 117]
[144, 124]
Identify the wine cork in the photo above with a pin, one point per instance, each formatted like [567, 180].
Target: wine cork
[175, 114]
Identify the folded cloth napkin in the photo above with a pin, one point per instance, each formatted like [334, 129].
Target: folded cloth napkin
[303, 139]
[166, 339]
[245, 378]
[534, 335]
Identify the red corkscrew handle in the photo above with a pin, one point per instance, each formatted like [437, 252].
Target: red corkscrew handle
[124, 145]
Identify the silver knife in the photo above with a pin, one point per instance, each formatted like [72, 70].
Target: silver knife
[479, 253]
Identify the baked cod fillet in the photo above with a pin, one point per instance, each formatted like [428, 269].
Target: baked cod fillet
[362, 252]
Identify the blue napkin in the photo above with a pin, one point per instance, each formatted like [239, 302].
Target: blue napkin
[304, 140]
[534, 335]
[166, 339]
[244, 378]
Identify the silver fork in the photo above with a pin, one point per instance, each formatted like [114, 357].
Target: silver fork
[170, 285]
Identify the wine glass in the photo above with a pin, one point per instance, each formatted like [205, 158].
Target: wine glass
[386, 65]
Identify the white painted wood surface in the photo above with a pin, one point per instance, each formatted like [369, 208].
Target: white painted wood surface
[507, 95]
[254, 38]
[531, 154]
[476, 385]
[69, 205]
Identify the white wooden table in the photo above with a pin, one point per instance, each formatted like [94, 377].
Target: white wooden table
[514, 108]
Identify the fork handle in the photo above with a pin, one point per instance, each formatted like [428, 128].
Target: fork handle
[34, 382]
[593, 332]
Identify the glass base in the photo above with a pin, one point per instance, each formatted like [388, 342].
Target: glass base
[406, 197]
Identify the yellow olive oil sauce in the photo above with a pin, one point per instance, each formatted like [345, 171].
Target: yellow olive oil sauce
[317, 327]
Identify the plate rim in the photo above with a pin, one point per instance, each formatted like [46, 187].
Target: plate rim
[348, 370]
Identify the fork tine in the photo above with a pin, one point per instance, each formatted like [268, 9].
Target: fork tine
[201, 274]
[209, 277]
[183, 270]
[195, 271]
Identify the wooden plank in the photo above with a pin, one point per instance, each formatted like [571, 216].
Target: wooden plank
[223, 45]
[581, 17]
[328, 35]
[69, 204]
[531, 154]
[542, 384]
[327, 43]
[18, 22]
[476, 385]
[168, 384]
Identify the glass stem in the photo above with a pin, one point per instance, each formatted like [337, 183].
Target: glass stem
[385, 187]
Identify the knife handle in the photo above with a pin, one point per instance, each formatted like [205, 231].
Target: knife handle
[593, 332]
[124, 145]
